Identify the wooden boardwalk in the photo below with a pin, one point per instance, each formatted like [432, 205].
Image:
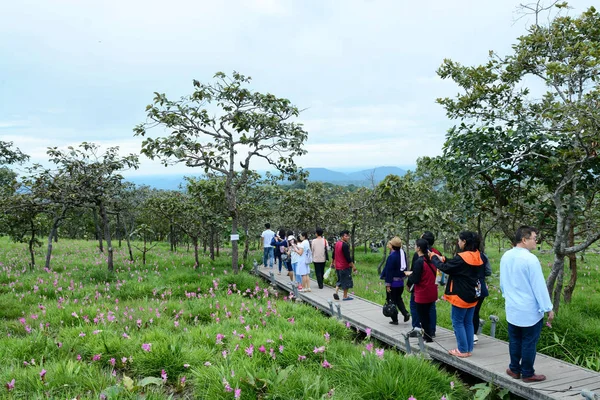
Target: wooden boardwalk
[488, 362]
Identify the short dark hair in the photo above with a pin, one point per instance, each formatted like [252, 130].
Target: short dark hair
[268, 225]
[319, 231]
[345, 232]
[304, 235]
[524, 232]
[471, 240]
[429, 237]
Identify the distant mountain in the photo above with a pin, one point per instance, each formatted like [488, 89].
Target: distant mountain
[358, 178]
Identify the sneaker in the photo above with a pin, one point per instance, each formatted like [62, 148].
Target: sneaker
[394, 322]
[300, 287]
[475, 339]
[534, 378]
[406, 317]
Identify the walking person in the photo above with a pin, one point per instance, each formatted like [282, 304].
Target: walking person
[462, 290]
[303, 266]
[294, 254]
[344, 266]
[485, 271]
[267, 236]
[416, 318]
[425, 290]
[280, 249]
[394, 274]
[320, 255]
[526, 300]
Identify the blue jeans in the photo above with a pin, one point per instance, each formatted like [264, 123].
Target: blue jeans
[522, 342]
[416, 321]
[298, 277]
[462, 323]
[268, 256]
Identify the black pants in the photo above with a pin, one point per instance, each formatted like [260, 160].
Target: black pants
[319, 271]
[395, 294]
[476, 314]
[423, 310]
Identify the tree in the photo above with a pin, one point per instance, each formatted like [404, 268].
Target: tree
[8, 155]
[522, 137]
[258, 125]
[96, 178]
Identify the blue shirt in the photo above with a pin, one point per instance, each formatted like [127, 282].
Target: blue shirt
[523, 287]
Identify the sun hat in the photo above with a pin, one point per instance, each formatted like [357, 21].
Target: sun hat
[396, 242]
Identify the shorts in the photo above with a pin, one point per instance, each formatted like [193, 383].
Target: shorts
[344, 278]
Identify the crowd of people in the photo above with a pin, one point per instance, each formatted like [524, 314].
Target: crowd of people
[463, 276]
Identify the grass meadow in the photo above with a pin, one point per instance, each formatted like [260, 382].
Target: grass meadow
[575, 332]
[167, 330]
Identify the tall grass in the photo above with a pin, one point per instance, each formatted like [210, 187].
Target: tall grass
[169, 330]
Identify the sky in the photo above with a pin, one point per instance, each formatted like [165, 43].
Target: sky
[363, 71]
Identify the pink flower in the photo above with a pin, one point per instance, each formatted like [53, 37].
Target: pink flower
[96, 357]
[207, 364]
[325, 364]
[124, 360]
[163, 375]
[42, 374]
[369, 346]
[237, 393]
[78, 357]
[548, 324]
[81, 334]
[281, 348]
[182, 381]
[319, 349]
[347, 324]
[220, 338]
[452, 385]
[186, 365]
[147, 346]
[379, 353]
[412, 398]
[250, 350]
[368, 332]
[10, 385]
[112, 362]
[301, 358]
[126, 336]
[262, 348]
[327, 336]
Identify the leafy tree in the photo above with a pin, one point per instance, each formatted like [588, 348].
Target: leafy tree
[250, 123]
[97, 179]
[515, 137]
[8, 155]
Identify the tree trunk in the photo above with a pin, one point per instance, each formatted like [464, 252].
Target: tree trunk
[212, 244]
[218, 242]
[234, 243]
[366, 245]
[53, 229]
[352, 233]
[246, 242]
[98, 231]
[172, 236]
[104, 216]
[568, 294]
[204, 244]
[407, 237]
[555, 280]
[144, 251]
[385, 248]
[196, 258]
[118, 230]
[31, 243]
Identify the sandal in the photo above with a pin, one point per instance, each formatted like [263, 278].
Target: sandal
[457, 353]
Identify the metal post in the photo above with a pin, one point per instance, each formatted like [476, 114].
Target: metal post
[494, 320]
[273, 281]
[407, 343]
[421, 342]
[481, 324]
[295, 289]
[255, 264]
[330, 307]
[339, 310]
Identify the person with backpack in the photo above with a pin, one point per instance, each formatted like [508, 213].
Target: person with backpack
[280, 245]
[425, 290]
[267, 236]
[462, 289]
[320, 255]
[394, 275]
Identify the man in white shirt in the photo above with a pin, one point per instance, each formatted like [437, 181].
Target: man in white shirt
[526, 300]
[268, 255]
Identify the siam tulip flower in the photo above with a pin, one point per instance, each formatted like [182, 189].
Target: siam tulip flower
[126, 336]
[186, 365]
[124, 360]
[327, 336]
[112, 362]
[368, 332]
[10, 385]
[319, 349]
[412, 398]
[379, 353]
[250, 350]
[220, 338]
[182, 381]
[147, 346]
[96, 357]
[262, 348]
[42, 374]
[281, 349]
[369, 346]
[207, 364]
[452, 385]
[347, 324]
[163, 375]
[238, 392]
[325, 364]
[78, 357]
[81, 334]
[301, 358]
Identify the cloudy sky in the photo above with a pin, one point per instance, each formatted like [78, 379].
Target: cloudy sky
[364, 70]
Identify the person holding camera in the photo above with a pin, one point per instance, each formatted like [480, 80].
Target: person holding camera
[394, 274]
